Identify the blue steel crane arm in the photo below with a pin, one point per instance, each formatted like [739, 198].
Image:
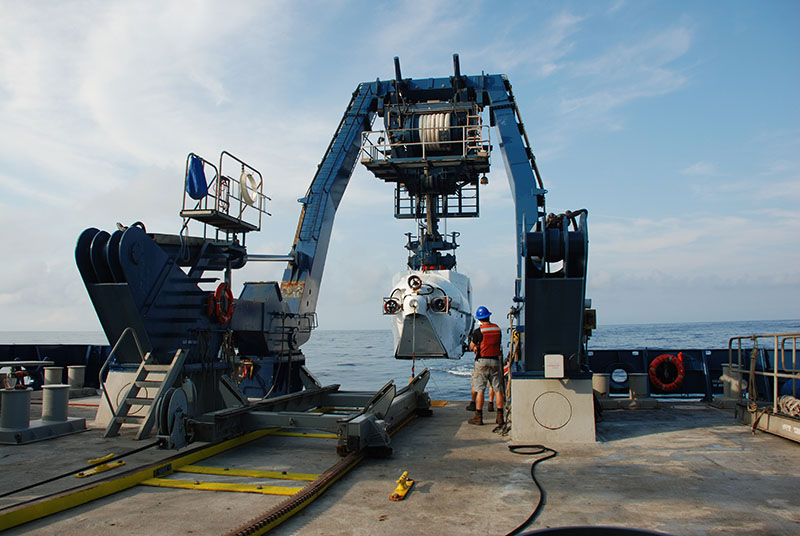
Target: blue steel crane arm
[302, 277]
[518, 159]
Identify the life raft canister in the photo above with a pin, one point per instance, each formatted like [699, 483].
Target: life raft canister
[220, 304]
[667, 372]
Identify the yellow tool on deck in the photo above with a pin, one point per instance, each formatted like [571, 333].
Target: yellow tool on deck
[100, 467]
[403, 487]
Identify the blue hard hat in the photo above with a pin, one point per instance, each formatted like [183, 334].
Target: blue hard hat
[482, 313]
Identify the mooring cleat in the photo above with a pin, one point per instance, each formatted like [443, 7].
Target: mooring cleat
[403, 487]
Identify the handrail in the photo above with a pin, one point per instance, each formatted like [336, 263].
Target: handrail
[377, 145]
[779, 341]
[226, 197]
[108, 360]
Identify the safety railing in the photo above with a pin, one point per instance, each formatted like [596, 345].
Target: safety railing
[463, 141]
[463, 203]
[780, 370]
[231, 202]
[104, 368]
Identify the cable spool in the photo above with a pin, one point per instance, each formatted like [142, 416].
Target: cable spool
[434, 131]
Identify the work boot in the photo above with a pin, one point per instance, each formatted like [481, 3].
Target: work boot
[477, 419]
[491, 406]
[499, 419]
[471, 406]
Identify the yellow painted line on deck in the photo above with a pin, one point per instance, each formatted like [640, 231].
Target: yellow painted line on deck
[23, 513]
[220, 486]
[438, 403]
[251, 473]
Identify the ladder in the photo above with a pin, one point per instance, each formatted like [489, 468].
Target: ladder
[149, 375]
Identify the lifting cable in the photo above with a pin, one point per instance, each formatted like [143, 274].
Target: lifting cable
[75, 471]
[532, 450]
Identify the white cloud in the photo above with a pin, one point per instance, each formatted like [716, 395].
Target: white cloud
[101, 102]
[628, 71]
[701, 168]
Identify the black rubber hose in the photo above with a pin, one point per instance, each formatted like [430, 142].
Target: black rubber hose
[533, 450]
[74, 471]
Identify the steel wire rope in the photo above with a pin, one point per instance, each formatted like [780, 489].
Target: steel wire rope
[413, 342]
[436, 385]
[74, 471]
[789, 405]
[283, 332]
[534, 450]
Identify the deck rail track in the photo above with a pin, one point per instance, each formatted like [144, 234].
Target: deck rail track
[153, 475]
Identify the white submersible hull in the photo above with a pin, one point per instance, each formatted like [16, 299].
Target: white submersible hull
[432, 313]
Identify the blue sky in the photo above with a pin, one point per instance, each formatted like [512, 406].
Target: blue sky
[676, 124]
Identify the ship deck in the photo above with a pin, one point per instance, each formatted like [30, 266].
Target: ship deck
[683, 468]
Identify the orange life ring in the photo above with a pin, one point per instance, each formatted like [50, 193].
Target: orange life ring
[658, 372]
[215, 308]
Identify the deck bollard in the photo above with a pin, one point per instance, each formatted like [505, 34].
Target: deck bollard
[53, 375]
[600, 383]
[638, 382]
[55, 402]
[76, 374]
[16, 408]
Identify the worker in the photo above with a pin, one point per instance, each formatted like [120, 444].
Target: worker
[485, 341]
[471, 405]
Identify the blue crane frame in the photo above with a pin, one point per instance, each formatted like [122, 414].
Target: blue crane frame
[550, 303]
[135, 279]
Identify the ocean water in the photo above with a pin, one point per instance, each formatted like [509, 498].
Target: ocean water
[363, 360]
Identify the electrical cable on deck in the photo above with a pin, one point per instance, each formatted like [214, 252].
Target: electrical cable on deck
[535, 449]
[86, 468]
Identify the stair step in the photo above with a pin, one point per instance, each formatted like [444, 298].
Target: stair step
[129, 419]
[147, 383]
[139, 401]
[157, 368]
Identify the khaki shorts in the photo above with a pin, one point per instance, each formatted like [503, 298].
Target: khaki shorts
[486, 372]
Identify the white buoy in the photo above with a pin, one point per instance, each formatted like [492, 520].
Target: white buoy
[55, 402]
